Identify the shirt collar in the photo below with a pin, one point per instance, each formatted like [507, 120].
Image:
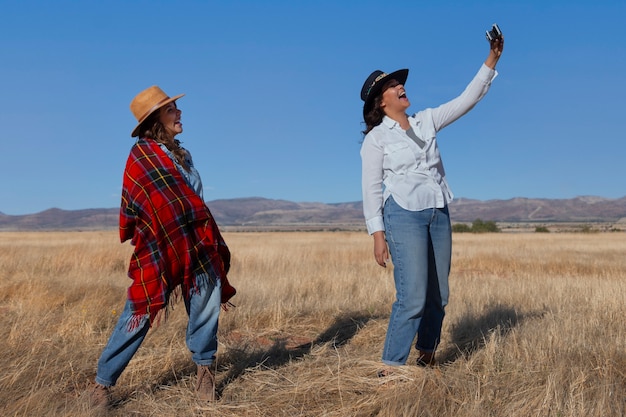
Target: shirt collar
[390, 123]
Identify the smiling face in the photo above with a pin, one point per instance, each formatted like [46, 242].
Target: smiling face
[169, 116]
[394, 99]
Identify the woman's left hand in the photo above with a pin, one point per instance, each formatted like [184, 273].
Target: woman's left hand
[495, 51]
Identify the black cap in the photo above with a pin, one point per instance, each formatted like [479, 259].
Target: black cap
[374, 83]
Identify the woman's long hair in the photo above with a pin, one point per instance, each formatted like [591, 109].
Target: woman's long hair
[374, 117]
[152, 128]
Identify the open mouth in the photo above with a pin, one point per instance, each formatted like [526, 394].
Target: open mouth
[402, 95]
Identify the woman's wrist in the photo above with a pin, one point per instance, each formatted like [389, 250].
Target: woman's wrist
[379, 235]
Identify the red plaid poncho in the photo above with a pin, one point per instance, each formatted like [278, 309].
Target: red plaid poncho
[172, 229]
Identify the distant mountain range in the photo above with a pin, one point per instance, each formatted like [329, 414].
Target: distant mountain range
[262, 212]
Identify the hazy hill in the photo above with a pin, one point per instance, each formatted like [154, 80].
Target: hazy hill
[256, 211]
[579, 209]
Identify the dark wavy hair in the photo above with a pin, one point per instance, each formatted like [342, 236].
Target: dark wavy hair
[153, 128]
[374, 117]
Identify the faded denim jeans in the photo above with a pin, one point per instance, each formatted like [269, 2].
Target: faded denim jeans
[203, 309]
[420, 243]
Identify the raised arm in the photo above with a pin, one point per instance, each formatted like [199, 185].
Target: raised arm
[447, 113]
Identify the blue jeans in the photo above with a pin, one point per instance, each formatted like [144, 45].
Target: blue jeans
[420, 243]
[203, 308]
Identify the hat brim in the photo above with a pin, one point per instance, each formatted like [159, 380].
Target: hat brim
[400, 76]
[135, 131]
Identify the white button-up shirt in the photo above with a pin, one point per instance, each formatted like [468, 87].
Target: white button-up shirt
[393, 164]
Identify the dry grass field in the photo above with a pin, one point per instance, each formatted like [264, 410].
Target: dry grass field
[535, 327]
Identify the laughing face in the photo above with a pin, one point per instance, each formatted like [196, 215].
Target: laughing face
[394, 99]
[169, 117]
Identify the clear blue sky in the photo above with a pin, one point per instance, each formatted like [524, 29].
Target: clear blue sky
[272, 105]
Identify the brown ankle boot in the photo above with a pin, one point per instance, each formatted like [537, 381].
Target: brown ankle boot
[100, 396]
[205, 383]
[426, 358]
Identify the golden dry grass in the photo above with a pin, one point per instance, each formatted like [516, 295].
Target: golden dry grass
[535, 327]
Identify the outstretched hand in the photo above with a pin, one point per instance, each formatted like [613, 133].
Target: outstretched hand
[496, 47]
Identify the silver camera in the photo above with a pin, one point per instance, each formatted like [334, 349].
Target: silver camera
[494, 34]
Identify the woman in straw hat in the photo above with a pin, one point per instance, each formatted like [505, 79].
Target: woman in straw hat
[178, 249]
[405, 199]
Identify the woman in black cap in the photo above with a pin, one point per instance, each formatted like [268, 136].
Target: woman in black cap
[405, 203]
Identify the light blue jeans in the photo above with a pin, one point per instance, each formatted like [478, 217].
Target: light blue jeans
[203, 308]
[420, 243]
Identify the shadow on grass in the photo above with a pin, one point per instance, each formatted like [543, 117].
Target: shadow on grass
[343, 328]
[467, 336]
[470, 333]
[236, 360]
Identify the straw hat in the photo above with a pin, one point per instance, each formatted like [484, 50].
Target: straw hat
[374, 83]
[147, 102]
